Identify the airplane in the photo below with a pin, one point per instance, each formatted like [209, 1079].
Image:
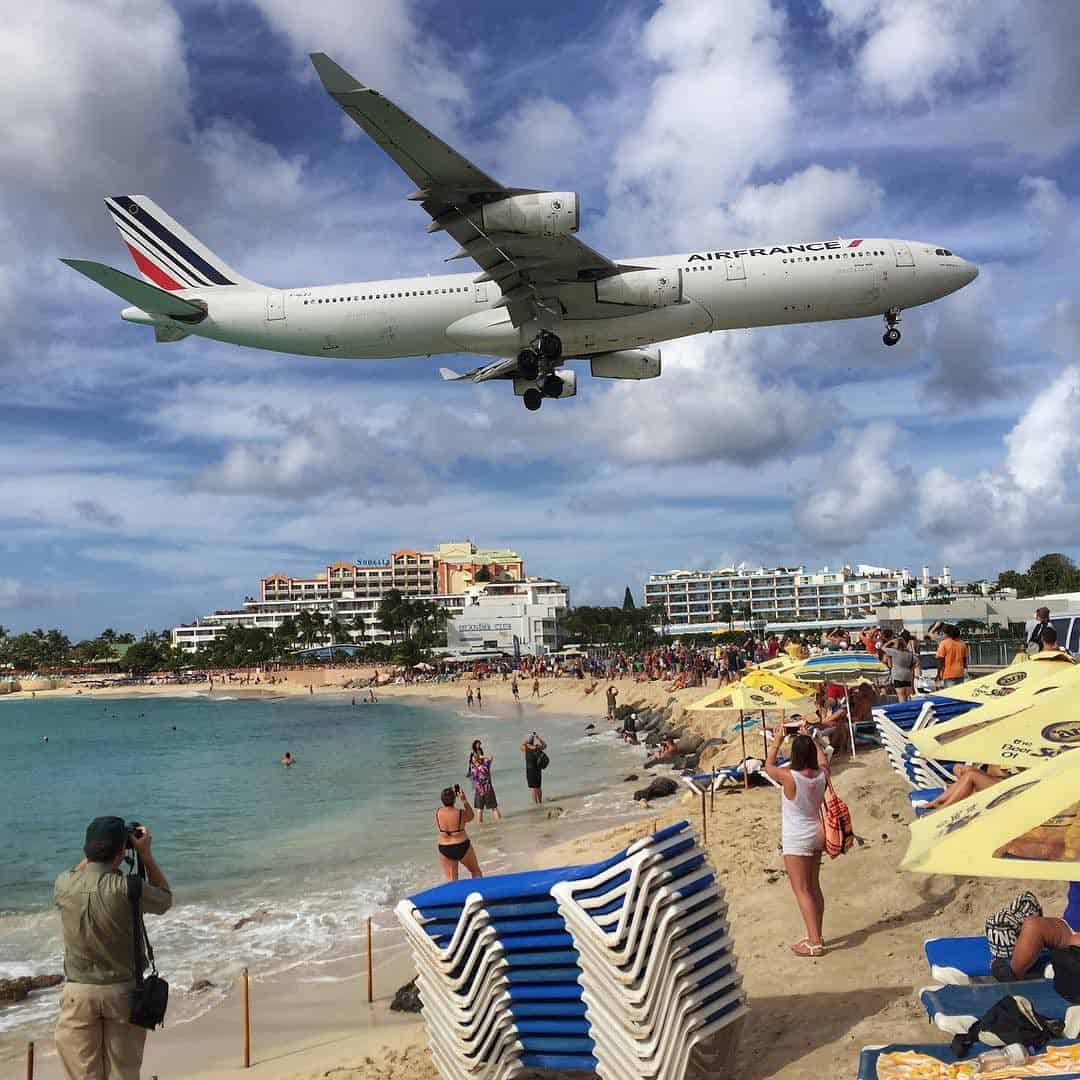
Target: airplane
[542, 296]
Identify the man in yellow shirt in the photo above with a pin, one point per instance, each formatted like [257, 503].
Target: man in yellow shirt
[952, 656]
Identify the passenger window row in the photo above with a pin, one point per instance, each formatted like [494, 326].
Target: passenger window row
[385, 296]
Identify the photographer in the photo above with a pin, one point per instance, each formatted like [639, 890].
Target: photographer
[94, 1035]
[455, 848]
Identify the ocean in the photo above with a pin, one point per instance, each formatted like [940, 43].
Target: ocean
[310, 852]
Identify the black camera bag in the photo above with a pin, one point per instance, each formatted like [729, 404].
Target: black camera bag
[150, 998]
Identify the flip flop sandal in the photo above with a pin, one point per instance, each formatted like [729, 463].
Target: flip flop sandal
[804, 948]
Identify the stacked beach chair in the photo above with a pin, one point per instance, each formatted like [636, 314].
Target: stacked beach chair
[624, 968]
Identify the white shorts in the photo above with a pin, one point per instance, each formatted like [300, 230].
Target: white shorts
[804, 845]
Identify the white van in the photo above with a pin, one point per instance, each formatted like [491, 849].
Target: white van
[1067, 626]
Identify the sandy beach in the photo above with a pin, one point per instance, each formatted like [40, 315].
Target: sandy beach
[810, 1017]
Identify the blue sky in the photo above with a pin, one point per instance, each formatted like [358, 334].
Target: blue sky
[145, 484]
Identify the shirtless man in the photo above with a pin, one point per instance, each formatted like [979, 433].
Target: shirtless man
[1038, 933]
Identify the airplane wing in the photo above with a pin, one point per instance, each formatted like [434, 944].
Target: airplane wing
[527, 268]
[500, 369]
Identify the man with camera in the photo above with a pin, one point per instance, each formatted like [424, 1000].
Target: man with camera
[100, 911]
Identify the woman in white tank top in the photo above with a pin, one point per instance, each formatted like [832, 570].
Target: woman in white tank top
[802, 832]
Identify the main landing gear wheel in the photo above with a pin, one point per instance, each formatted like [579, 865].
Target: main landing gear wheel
[549, 346]
[528, 365]
[891, 335]
[552, 386]
[533, 399]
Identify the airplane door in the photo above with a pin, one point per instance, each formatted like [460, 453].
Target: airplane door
[903, 255]
[275, 305]
[481, 292]
[736, 270]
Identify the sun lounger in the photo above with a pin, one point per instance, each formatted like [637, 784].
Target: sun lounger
[729, 776]
[959, 960]
[868, 1059]
[920, 712]
[624, 968]
[921, 798]
[955, 1008]
[917, 770]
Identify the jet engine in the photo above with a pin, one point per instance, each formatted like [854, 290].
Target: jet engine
[641, 288]
[626, 364]
[547, 213]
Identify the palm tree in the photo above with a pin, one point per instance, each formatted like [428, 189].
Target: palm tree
[727, 614]
[358, 629]
[303, 626]
[318, 626]
[336, 629]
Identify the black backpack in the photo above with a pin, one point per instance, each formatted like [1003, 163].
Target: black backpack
[1067, 972]
[1010, 1020]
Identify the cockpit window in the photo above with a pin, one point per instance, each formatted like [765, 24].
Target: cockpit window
[947, 252]
[942, 251]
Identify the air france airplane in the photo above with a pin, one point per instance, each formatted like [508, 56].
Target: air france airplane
[542, 296]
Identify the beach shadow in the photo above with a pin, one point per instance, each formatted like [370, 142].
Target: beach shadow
[784, 1029]
[929, 906]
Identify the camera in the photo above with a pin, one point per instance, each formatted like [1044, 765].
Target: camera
[457, 789]
[130, 830]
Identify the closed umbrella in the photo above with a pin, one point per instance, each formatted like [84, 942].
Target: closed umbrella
[843, 668]
[1026, 827]
[746, 699]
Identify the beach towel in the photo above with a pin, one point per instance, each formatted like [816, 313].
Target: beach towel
[912, 1065]
[1003, 927]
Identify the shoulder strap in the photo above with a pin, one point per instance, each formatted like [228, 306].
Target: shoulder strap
[138, 926]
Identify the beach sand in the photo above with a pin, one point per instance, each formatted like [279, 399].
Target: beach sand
[809, 1017]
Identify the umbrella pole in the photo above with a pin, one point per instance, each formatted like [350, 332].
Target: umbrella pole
[742, 737]
[764, 734]
[850, 718]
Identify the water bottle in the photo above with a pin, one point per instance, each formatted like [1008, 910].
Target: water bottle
[1013, 1054]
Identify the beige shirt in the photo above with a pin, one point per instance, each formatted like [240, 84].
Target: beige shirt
[99, 932]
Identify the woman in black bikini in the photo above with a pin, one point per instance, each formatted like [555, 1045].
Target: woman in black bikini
[454, 845]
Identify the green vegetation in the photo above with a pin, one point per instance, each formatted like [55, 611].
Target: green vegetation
[1053, 573]
[613, 626]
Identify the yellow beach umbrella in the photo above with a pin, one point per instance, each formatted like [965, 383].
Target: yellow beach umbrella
[1016, 731]
[1025, 827]
[1025, 674]
[776, 684]
[746, 699]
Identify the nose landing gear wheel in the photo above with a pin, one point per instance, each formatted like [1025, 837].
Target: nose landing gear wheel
[533, 399]
[891, 336]
[528, 364]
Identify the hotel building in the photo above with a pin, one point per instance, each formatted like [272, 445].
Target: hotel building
[352, 590]
[783, 597]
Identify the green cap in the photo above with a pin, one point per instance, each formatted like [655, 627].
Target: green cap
[104, 834]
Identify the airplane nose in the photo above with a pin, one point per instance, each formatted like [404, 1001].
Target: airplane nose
[971, 272]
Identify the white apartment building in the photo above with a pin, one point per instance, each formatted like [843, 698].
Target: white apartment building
[517, 618]
[696, 601]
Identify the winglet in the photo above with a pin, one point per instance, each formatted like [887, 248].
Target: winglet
[335, 78]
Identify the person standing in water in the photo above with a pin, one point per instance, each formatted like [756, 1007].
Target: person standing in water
[535, 761]
[483, 789]
[469, 697]
[455, 847]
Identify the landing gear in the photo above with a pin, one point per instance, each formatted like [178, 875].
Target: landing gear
[552, 386]
[528, 364]
[891, 335]
[533, 399]
[549, 346]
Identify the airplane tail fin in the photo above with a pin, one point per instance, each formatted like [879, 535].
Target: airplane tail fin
[166, 254]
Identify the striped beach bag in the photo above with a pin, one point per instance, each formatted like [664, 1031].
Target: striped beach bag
[836, 817]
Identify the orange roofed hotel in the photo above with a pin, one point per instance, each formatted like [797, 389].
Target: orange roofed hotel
[352, 590]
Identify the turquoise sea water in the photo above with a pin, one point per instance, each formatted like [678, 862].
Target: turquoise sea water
[343, 834]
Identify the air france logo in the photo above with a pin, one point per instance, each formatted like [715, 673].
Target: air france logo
[1064, 731]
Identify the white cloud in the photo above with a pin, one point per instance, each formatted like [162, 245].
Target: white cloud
[855, 488]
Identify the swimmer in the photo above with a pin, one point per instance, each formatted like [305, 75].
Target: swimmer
[288, 760]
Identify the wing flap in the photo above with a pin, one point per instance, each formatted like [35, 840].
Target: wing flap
[142, 294]
[500, 369]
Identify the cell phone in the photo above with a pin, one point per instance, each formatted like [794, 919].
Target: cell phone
[457, 789]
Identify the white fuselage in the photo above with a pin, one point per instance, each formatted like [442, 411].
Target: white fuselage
[450, 313]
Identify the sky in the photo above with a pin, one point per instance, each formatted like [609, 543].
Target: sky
[142, 485]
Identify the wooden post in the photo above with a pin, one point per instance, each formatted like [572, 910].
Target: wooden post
[30, 1060]
[742, 736]
[765, 733]
[704, 821]
[712, 791]
[245, 1005]
[370, 968]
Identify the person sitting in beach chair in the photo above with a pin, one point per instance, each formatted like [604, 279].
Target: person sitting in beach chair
[1039, 933]
[969, 779]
